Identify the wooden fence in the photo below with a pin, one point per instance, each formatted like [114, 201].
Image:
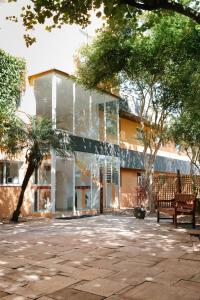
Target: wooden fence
[166, 186]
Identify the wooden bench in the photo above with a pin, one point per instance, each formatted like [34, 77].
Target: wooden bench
[182, 204]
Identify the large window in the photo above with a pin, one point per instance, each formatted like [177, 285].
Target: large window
[10, 173]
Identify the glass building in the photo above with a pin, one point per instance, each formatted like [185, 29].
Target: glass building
[89, 179]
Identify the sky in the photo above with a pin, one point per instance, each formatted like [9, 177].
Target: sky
[54, 49]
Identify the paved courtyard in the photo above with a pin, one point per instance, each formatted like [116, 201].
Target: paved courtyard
[103, 257]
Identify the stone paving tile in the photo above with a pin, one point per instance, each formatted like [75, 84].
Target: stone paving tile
[27, 292]
[9, 285]
[51, 285]
[136, 275]
[14, 297]
[102, 287]
[193, 288]
[92, 273]
[3, 294]
[44, 298]
[152, 291]
[105, 263]
[4, 271]
[73, 294]
[195, 277]
[115, 297]
[192, 256]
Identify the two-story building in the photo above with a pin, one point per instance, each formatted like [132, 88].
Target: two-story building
[105, 160]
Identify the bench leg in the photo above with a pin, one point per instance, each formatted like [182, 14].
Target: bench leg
[175, 219]
[158, 216]
[193, 221]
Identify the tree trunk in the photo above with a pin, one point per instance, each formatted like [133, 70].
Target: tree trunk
[29, 172]
[149, 189]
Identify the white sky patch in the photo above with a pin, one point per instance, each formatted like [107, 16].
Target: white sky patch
[54, 49]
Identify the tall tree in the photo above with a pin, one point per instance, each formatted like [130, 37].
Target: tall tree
[36, 139]
[127, 57]
[186, 133]
[61, 12]
[149, 67]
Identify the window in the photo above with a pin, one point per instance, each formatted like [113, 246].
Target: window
[9, 172]
[42, 190]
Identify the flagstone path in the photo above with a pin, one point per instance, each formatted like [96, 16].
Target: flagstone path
[103, 257]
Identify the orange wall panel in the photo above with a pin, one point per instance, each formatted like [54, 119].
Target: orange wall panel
[128, 188]
[128, 132]
[8, 201]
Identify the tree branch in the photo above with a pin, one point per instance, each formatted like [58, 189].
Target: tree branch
[164, 4]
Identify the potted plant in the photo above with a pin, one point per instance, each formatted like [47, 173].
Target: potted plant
[139, 212]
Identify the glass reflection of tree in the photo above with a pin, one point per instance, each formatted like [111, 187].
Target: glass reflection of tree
[111, 121]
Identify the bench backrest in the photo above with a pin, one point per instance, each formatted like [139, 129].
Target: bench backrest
[185, 200]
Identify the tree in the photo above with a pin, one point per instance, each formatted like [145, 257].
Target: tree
[61, 12]
[137, 62]
[151, 67]
[12, 84]
[186, 134]
[37, 139]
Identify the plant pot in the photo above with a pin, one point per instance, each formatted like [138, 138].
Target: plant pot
[139, 212]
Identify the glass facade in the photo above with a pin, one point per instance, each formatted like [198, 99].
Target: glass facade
[96, 180]
[86, 180]
[81, 112]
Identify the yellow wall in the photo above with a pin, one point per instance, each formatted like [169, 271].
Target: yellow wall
[128, 137]
[128, 134]
[8, 201]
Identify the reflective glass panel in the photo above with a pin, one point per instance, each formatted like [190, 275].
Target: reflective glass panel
[64, 103]
[44, 199]
[111, 121]
[43, 95]
[64, 183]
[82, 180]
[82, 112]
[97, 116]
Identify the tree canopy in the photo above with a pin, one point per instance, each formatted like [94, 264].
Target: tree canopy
[185, 131]
[61, 11]
[12, 84]
[168, 54]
